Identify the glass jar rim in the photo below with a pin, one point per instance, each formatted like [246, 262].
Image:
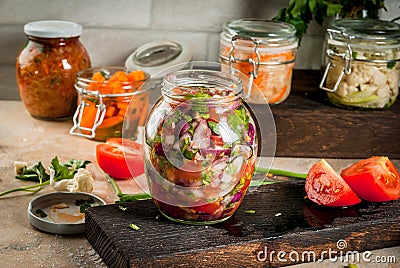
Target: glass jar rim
[84, 78]
[53, 29]
[186, 80]
[365, 30]
[260, 29]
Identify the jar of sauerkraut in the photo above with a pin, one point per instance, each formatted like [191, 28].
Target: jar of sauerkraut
[200, 146]
[46, 68]
[363, 63]
[263, 50]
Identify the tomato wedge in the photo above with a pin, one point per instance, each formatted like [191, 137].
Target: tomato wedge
[324, 186]
[374, 179]
[120, 158]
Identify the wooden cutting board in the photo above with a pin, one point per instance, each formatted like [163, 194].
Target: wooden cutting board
[283, 221]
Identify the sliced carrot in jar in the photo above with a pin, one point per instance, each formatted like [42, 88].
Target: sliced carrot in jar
[88, 116]
[279, 96]
[111, 111]
[111, 121]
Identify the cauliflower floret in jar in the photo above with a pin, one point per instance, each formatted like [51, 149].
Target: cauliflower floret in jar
[383, 95]
[354, 79]
[377, 77]
[392, 78]
[342, 89]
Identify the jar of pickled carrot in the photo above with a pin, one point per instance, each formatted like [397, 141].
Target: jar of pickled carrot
[106, 96]
[263, 50]
[46, 68]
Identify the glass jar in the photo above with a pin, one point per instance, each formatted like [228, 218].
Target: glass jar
[106, 96]
[200, 147]
[363, 63]
[46, 68]
[263, 50]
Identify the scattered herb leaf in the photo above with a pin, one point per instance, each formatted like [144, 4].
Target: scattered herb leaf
[40, 213]
[123, 208]
[250, 211]
[85, 203]
[134, 227]
[391, 64]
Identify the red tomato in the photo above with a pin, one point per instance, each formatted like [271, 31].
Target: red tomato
[120, 158]
[325, 187]
[210, 208]
[217, 140]
[191, 170]
[374, 179]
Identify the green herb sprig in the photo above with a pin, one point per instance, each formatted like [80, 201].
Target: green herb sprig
[37, 173]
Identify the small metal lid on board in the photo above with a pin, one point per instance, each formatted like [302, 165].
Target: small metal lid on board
[155, 56]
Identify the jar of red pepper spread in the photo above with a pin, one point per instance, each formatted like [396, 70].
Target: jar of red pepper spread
[46, 68]
[263, 50]
[200, 146]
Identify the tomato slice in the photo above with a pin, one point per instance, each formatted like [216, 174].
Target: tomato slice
[191, 170]
[374, 179]
[324, 186]
[120, 158]
[210, 208]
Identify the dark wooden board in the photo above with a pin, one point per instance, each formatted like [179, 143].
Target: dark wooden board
[307, 125]
[284, 221]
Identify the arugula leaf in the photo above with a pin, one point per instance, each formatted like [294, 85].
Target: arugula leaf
[35, 172]
[85, 203]
[67, 170]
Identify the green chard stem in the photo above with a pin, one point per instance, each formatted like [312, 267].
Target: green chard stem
[279, 172]
[27, 188]
[126, 197]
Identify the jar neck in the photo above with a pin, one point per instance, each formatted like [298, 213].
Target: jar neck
[54, 41]
[202, 86]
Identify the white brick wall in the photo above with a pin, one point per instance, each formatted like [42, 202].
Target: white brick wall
[113, 29]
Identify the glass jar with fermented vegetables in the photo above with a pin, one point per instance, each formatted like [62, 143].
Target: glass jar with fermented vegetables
[106, 96]
[264, 51]
[363, 63]
[200, 147]
[46, 68]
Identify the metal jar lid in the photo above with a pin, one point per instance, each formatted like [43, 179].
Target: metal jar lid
[53, 29]
[155, 56]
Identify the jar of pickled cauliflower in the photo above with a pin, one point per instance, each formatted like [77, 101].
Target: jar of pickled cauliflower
[363, 63]
[263, 50]
[46, 68]
[200, 147]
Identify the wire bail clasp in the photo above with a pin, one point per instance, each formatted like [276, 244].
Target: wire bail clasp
[346, 56]
[79, 130]
[254, 63]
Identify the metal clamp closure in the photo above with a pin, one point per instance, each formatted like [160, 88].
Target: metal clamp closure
[346, 56]
[254, 63]
[79, 130]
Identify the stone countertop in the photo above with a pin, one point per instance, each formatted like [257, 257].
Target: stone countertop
[24, 138]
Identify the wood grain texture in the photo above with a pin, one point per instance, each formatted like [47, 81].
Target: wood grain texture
[284, 221]
[307, 125]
